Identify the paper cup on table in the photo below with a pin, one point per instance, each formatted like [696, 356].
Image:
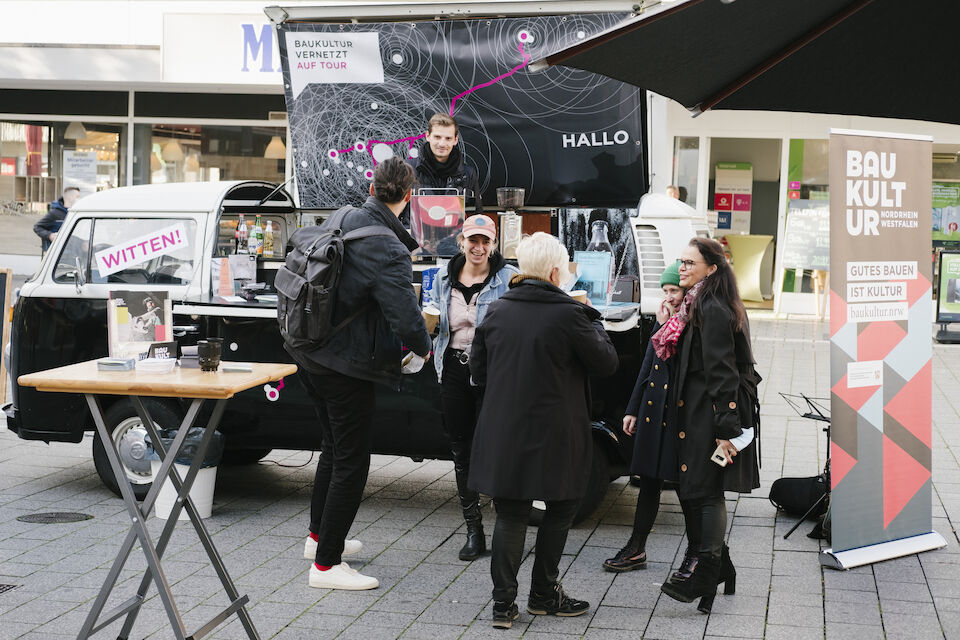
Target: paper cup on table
[579, 295]
[431, 316]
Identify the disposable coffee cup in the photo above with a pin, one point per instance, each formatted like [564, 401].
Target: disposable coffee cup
[431, 316]
[579, 295]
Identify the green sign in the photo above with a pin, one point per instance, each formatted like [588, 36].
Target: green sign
[948, 298]
[946, 214]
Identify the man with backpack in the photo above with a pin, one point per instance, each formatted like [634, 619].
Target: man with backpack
[374, 309]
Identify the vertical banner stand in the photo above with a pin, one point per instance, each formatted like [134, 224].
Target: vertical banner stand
[881, 354]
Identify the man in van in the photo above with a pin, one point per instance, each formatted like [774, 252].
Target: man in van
[440, 162]
[375, 284]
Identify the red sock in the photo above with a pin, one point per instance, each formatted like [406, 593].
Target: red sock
[315, 536]
[322, 567]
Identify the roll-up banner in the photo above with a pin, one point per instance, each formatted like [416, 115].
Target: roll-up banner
[880, 347]
[360, 93]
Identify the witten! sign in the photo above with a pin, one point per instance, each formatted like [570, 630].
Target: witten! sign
[880, 354]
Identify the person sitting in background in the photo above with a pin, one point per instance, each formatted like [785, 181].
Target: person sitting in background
[534, 353]
[49, 225]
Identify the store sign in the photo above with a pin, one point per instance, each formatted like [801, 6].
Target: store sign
[733, 196]
[234, 49]
[881, 353]
[80, 170]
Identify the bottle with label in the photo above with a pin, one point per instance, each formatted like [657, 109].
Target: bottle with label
[242, 236]
[600, 242]
[256, 237]
[268, 241]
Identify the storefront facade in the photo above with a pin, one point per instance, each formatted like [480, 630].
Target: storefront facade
[786, 156]
[136, 93]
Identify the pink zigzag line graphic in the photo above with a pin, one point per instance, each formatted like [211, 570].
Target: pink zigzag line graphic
[411, 139]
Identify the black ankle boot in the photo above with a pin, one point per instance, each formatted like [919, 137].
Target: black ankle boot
[728, 573]
[686, 567]
[476, 544]
[701, 584]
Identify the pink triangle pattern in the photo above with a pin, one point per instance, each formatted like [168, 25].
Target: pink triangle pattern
[840, 464]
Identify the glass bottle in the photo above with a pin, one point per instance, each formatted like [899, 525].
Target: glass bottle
[242, 236]
[256, 237]
[600, 242]
[268, 240]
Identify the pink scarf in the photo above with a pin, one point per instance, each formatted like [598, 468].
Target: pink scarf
[666, 338]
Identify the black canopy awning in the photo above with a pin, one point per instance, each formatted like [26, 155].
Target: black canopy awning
[857, 57]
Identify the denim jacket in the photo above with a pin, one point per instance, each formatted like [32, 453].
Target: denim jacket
[440, 295]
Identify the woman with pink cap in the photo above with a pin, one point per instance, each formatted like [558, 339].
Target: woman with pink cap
[474, 278]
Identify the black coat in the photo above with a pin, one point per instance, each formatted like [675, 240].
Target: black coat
[534, 352]
[711, 404]
[655, 442]
[376, 269]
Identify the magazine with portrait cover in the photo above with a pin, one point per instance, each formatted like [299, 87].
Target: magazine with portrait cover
[136, 320]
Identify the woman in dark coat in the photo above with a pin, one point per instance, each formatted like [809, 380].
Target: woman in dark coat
[649, 418]
[534, 352]
[710, 339]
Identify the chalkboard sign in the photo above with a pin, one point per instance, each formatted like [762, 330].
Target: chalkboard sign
[6, 287]
[806, 241]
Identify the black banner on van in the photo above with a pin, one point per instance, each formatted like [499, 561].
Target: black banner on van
[360, 93]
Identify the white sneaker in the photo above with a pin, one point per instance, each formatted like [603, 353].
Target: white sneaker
[350, 547]
[341, 576]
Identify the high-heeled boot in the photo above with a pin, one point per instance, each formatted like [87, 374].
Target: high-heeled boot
[701, 584]
[728, 573]
[685, 570]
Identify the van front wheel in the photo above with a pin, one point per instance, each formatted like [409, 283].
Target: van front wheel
[127, 432]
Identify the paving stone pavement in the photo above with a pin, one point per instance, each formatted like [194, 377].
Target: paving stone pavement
[411, 527]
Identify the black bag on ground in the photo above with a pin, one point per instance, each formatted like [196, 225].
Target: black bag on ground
[796, 495]
[307, 284]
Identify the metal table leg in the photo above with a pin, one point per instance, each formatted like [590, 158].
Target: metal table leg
[95, 621]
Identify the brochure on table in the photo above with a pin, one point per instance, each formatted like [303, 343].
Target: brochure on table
[136, 320]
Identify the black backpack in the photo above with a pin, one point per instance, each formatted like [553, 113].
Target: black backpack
[307, 284]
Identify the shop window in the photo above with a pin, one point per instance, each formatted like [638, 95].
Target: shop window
[209, 152]
[39, 159]
[175, 267]
[686, 158]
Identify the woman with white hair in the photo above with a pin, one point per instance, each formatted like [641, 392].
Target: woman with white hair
[534, 353]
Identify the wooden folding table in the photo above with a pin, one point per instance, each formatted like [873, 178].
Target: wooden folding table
[196, 386]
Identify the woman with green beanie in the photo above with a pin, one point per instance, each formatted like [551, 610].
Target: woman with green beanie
[653, 426]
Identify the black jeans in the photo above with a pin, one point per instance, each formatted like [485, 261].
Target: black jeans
[345, 409]
[711, 516]
[648, 504]
[508, 538]
[461, 406]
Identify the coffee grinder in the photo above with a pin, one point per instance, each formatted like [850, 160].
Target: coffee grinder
[509, 199]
